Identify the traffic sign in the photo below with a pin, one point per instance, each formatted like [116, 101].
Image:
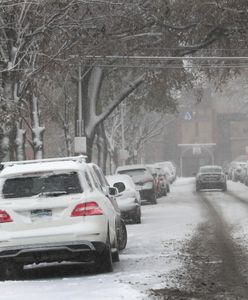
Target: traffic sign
[188, 116]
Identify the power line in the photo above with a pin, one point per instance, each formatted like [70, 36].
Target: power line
[169, 66]
[168, 57]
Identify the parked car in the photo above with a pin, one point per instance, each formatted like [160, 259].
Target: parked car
[52, 211]
[164, 181]
[154, 173]
[211, 177]
[235, 170]
[112, 195]
[243, 173]
[143, 179]
[169, 168]
[128, 198]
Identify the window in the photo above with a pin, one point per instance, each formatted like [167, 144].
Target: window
[44, 183]
[134, 172]
[96, 183]
[86, 175]
[100, 176]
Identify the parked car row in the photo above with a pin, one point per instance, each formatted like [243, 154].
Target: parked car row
[56, 210]
[152, 180]
[238, 171]
[65, 209]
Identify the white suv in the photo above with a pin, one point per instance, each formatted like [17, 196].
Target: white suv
[51, 210]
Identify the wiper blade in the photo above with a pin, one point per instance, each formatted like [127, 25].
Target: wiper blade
[53, 194]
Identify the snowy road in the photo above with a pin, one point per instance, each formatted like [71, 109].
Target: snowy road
[190, 245]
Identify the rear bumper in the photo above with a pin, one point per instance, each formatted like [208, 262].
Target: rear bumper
[79, 251]
[126, 215]
[211, 185]
[146, 194]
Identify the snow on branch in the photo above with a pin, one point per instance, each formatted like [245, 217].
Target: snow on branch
[94, 120]
[123, 95]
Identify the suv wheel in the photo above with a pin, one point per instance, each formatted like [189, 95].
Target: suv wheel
[137, 218]
[153, 199]
[104, 262]
[115, 254]
[11, 270]
[122, 238]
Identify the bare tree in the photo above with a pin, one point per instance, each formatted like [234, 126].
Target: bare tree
[38, 36]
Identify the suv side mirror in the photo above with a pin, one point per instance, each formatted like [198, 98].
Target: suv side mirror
[120, 186]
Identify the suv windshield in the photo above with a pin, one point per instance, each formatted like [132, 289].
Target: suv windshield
[48, 184]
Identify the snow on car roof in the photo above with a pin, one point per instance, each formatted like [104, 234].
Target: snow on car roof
[131, 167]
[55, 166]
[117, 178]
[126, 179]
[211, 167]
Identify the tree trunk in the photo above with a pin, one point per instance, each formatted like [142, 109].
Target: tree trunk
[105, 149]
[5, 145]
[37, 130]
[67, 139]
[99, 149]
[20, 141]
[89, 147]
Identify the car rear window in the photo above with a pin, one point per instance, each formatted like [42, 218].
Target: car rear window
[210, 170]
[134, 172]
[49, 184]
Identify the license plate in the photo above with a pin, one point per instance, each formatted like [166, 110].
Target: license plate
[38, 214]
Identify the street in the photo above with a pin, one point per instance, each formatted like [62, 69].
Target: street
[188, 246]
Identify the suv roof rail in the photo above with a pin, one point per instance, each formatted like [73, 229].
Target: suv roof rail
[79, 158]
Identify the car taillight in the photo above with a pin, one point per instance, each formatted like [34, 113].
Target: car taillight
[149, 180]
[87, 209]
[5, 217]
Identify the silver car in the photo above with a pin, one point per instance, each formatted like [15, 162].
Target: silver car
[128, 198]
[211, 177]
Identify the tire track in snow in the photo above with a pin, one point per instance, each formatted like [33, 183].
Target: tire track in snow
[230, 269]
[211, 259]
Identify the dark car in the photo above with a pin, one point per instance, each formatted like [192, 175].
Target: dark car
[143, 179]
[211, 177]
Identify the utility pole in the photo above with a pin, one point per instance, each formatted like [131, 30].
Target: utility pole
[80, 146]
[80, 117]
